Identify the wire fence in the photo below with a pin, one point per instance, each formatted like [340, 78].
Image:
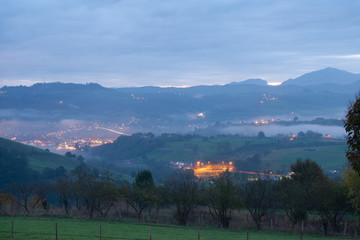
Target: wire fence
[52, 231]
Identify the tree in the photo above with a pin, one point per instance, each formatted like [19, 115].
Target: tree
[144, 179]
[292, 199]
[14, 168]
[70, 155]
[352, 128]
[95, 190]
[352, 182]
[85, 189]
[7, 204]
[108, 193]
[64, 189]
[307, 172]
[22, 193]
[330, 203]
[258, 198]
[60, 171]
[183, 190]
[261, 134]
[321, 202]
[222, 196]
[141, 195]
[41, 191]
[80, 158]
[339, 204]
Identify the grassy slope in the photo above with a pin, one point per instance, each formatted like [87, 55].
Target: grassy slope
[38, 158]
[41, 229]
[329, 153]
[328, 157]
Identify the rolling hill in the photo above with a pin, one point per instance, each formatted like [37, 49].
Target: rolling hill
[146, 151]
[39, 159]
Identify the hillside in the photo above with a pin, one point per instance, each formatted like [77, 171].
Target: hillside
[39, 159]
[247, 153]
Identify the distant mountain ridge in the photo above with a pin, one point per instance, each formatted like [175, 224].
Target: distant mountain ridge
[324, 76]
[318, 94]
[255, 81]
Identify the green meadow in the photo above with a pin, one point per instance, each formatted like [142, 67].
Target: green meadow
[27, 228]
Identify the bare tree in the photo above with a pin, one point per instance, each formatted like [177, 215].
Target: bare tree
[22, 193]
[258, 198]
[64, 189]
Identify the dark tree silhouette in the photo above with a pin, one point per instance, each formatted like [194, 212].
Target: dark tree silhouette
[222, 196]
[183, 190]
[352, 128]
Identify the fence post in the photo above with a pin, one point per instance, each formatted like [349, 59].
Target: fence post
[272, 224]
[199, 234]
[100, 232]
[301, 237]
[150, 233]
[247, 235]
[12, 229]
[56, 232]
[345, 228]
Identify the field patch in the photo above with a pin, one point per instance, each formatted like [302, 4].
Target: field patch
[328, 156]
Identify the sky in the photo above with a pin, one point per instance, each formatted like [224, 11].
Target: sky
[121, 43]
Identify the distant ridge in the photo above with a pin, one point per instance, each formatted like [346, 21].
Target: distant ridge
[324, 76]
[255, 81]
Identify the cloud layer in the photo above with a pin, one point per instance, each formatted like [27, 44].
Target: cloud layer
[140, 42]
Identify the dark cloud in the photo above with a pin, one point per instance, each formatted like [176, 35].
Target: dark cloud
[140, 42]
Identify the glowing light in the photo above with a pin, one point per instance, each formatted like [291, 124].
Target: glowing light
[201, 115]
[212, 170]
[110, 130]
[274, 83]
[175, 86]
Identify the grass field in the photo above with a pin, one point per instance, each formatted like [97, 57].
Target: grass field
[26, 228]
[328, 157]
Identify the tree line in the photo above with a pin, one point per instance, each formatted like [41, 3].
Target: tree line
[309, 192]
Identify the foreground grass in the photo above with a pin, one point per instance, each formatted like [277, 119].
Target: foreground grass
[44, 228]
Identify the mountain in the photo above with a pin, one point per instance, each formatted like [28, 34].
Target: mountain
[155, 109]
[38, 158]
[324, 76]
[255, 81]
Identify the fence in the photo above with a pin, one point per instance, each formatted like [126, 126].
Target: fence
[52, 231]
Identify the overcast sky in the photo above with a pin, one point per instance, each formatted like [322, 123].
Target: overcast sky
[174, 43]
